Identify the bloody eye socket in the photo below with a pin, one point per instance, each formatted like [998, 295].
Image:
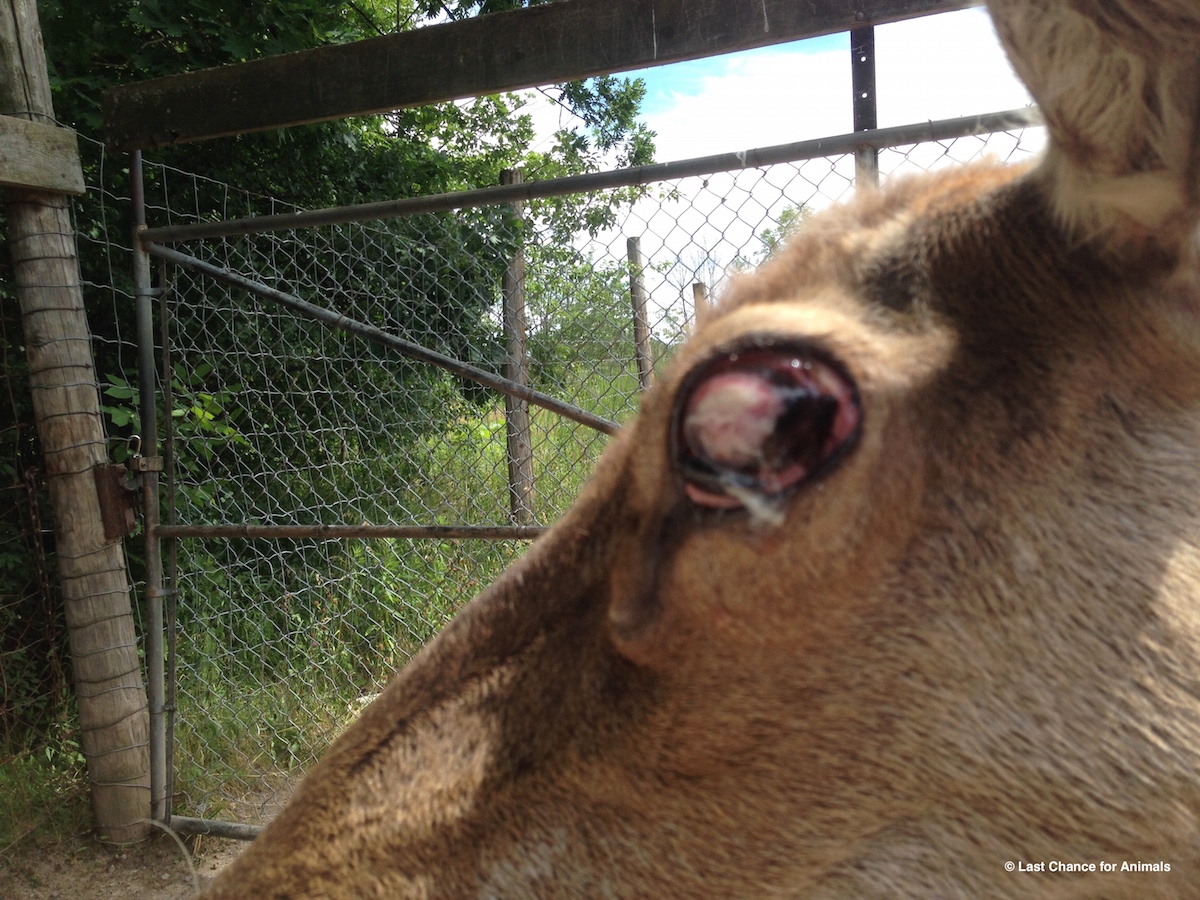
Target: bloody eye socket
[757, 422]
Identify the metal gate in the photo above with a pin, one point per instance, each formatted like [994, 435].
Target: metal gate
[366, 412]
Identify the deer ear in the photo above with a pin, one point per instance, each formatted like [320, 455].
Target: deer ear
[1118, 82]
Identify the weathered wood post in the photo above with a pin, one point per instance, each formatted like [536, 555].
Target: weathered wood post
[699, 301]
[641, 323]
[516, 368]
[94, 582]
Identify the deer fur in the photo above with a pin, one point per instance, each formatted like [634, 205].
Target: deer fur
[974, 639]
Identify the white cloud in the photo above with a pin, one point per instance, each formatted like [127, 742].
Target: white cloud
[755, 101]
[934, 67]
[941, 67]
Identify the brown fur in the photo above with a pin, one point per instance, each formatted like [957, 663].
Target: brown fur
[975, 640]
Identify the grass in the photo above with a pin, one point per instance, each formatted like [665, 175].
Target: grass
[43, 790]
[281, 644]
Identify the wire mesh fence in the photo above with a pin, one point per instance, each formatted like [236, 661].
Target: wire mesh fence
[277, 420]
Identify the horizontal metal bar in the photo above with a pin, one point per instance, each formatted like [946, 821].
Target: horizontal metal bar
[386, 339]
[344, 532]
[235, 830]
[941, 130]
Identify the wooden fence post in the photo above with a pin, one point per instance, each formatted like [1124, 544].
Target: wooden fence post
[699, 302]
[516, 368]
[113, 715]
[641, 324]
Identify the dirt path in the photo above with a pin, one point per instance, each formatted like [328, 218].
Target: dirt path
[79, 867]
[82, 869]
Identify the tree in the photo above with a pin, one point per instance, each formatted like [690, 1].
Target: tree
[94, 44]
[791, 220]
[699, 266]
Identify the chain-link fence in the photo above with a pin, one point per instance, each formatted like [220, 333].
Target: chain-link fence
[287, 436]
[341, 498]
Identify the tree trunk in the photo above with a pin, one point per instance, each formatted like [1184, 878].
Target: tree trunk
[113, 714]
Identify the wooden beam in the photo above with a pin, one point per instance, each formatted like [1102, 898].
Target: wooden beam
[522, 48]
[94, 582]
[40, 157]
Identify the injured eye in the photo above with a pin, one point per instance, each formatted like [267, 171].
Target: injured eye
[759, 421]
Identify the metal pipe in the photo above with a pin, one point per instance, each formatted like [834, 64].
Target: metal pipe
[866, 117]
[171, 573]
[943, 129]
[342, 532]
[235, 830]
[147, 387]
[385, 339]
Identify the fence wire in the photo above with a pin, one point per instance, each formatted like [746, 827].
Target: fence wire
[277, 420]
[43, 783]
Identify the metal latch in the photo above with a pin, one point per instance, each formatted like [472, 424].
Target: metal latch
[118, 501]
[119, 494]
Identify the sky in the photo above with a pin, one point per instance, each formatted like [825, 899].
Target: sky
[934, 67]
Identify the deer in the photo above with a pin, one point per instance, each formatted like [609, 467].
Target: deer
[891, 588]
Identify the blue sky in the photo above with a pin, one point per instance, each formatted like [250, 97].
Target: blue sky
[933, 67]
[664, 83]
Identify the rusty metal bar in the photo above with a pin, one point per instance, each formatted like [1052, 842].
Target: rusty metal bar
[170, 549]
[344, 532]
[160, 808]
[866, 114]
[943, 129]
[234, 830]
[385, 339]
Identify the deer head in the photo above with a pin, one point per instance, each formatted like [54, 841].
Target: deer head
[894, 579]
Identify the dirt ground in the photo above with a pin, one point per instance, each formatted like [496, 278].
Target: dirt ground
[60, 866]
[82, 869]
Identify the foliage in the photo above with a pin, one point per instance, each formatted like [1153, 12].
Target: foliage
[39, 762]
[791, 220]
[96, 44]
[41, 783]
[576, 310]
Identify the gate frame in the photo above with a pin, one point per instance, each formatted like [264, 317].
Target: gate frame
[150, 244]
